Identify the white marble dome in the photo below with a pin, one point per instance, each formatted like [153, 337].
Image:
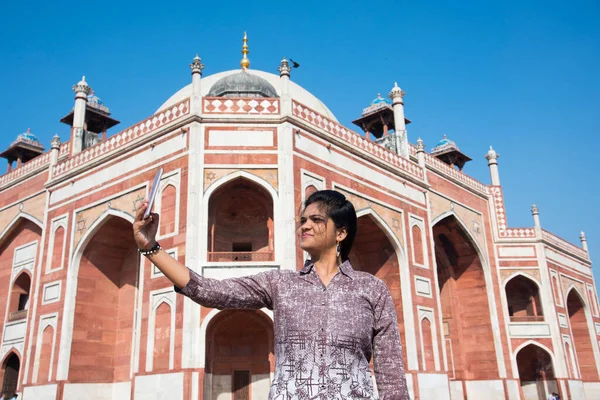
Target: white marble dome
[297, 92]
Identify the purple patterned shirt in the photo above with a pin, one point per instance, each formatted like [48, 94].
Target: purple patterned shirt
[324, 336]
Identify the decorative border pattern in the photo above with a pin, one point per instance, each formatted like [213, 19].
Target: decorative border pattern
[123, 138]
[503, 230]
[219, 105]
[337, 130]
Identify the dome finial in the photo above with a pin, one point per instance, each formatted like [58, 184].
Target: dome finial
[196, 66]
[245, 63]
[284, 68]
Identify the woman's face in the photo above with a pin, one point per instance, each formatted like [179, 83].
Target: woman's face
[316, 232]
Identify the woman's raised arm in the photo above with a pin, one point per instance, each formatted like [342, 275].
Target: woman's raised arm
[247, 292]
[144, 233]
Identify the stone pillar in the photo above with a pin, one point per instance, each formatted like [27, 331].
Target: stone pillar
[196, 66]
[492, 158]
[81, 90]
[583, 239]
[54, 149]
[421, 152]
[397, 96]
[536, 221]
[284, 73]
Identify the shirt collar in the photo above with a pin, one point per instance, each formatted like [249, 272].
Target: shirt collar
[345, 268]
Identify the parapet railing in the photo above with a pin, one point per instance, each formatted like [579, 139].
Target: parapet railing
[314, 118]
[123, 138]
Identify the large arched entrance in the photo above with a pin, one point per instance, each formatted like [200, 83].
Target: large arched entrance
[10, 374]
[536, 373]
[465, 307]
[373, 252]
[104, 305]
[240, 223]
[581, 337]
[239, 355]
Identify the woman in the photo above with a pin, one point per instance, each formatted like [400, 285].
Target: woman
[329, 319]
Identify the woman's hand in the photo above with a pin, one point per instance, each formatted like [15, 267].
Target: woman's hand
[144, 230]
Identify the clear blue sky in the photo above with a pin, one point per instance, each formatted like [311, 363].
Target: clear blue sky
[521, 76]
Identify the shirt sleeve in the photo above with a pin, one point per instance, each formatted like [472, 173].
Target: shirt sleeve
[387, 350]
[249, 292]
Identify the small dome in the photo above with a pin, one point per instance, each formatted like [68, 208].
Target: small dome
[28, 136]
[379, 100]
[444, 144]
[242, 84]
[96, 102]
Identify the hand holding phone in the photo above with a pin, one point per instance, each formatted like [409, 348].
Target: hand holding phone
[153, 192]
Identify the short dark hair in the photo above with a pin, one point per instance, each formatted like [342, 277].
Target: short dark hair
[342, 213]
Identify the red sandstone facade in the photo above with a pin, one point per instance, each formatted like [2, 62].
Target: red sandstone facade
[484, 310]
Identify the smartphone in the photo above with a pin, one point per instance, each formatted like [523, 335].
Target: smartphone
[153, 191]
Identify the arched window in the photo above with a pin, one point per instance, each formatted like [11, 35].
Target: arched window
[523, 299]
[536, 372]
[240, 223]
[10, 372]
[19, 298]
[239, 355]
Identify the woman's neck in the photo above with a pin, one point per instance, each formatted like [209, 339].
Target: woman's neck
[326, 264]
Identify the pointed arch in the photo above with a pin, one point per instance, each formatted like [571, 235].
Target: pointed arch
[427, 343]
[461, 363]
[467, 233]
[20, 296]
[241, 221]
[584, 342]
[239, 354]
[11, 369]
[408, 316]
[67, 327]
[241, 174]
[535, 364]
[15, 221]
[163, 341]
[535, 343]
[169, 222]
[524, 298]
[201, 344]
[12, 350]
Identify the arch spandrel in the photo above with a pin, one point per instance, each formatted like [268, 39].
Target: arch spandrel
[127, 204]
[440, 206]
[394, 219]
[567, 284]
[212, 175]
[506, 274]
[32, 209]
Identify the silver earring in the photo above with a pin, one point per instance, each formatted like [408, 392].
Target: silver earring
[338, 250]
